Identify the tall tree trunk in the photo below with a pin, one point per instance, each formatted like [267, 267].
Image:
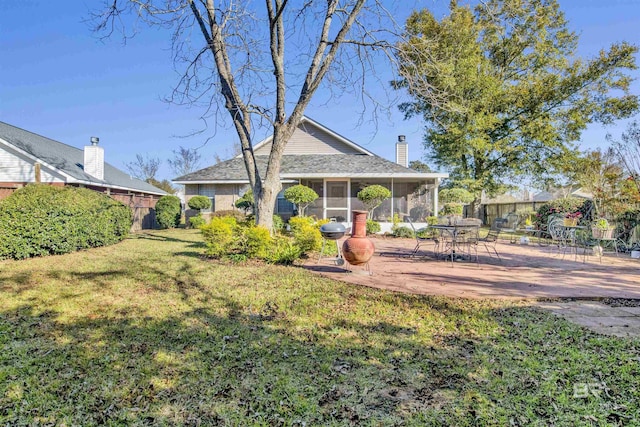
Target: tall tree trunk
[475, 208]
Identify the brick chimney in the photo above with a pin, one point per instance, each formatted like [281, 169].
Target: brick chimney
[94, 159]
[402, 151]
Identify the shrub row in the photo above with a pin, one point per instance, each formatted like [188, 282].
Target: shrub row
[228, 238]
[41, 220]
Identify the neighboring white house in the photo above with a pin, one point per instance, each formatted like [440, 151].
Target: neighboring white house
[335, 167]
[26, 157]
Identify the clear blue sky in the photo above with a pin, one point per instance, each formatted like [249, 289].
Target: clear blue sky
[59, 80]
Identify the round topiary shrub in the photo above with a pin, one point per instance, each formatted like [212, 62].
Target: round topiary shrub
[168, 211]
[41, 220]
[301, 196]
[373, 196]
[246, 202]
[199, 202]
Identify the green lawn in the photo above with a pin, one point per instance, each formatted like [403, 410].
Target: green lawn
[147, 332]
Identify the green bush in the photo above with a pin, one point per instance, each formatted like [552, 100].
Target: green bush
[297, 222]
[402, 231]
[626, 222]
[227, 239]
[278, 223]
[199, 202]
[373, 227]
[306, 233]
[308, 238]
[168, 211]
[41, 220]
[219, 236]
[283, 251]
[257, 240]
[239, 216]
[559, 207]
[432, 220]
[197, 221]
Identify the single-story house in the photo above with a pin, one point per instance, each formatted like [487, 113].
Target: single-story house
[26, 157]
[332, 165]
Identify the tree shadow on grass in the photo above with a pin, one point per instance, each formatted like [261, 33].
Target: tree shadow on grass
[276, 346]
[167, 237]
[219, 362]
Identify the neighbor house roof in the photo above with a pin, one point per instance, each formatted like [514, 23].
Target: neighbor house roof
[68, 161]
[308, 166]
[558, 193]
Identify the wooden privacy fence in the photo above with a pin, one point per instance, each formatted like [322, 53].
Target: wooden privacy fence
[144, 219]
[489, 212]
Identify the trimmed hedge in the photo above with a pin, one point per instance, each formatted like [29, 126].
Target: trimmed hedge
[40, 220]
[199, 203]
[168, 211]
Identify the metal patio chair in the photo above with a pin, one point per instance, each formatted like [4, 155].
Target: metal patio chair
[419, 239]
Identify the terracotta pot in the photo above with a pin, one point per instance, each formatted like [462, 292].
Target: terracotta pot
[358, 249]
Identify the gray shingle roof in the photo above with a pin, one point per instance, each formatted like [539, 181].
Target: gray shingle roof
[302, 165]
[70, 160]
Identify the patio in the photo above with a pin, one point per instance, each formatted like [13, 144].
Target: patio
[526, 271]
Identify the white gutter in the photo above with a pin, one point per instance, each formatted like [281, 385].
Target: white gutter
[70, 179]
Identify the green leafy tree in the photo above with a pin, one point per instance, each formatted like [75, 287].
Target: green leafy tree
[454, 199]
[373, 196]
[456, 195]
[503, 92]
[163, 185]
[419, 166]
[628, 150]
[301, 196]
[601, 174]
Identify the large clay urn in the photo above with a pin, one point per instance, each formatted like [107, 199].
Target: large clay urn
[358, 249]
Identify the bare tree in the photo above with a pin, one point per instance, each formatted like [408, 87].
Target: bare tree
[240, 63]
[185, 160]
[144, 167]
[628, 150]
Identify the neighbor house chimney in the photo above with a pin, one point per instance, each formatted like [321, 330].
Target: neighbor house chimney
[402, 152]
[94, 159]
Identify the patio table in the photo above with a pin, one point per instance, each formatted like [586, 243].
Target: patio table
[456, 232]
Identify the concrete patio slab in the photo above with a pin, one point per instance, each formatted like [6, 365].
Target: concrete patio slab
[570, 287]
[524, 272]
[602, 318]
